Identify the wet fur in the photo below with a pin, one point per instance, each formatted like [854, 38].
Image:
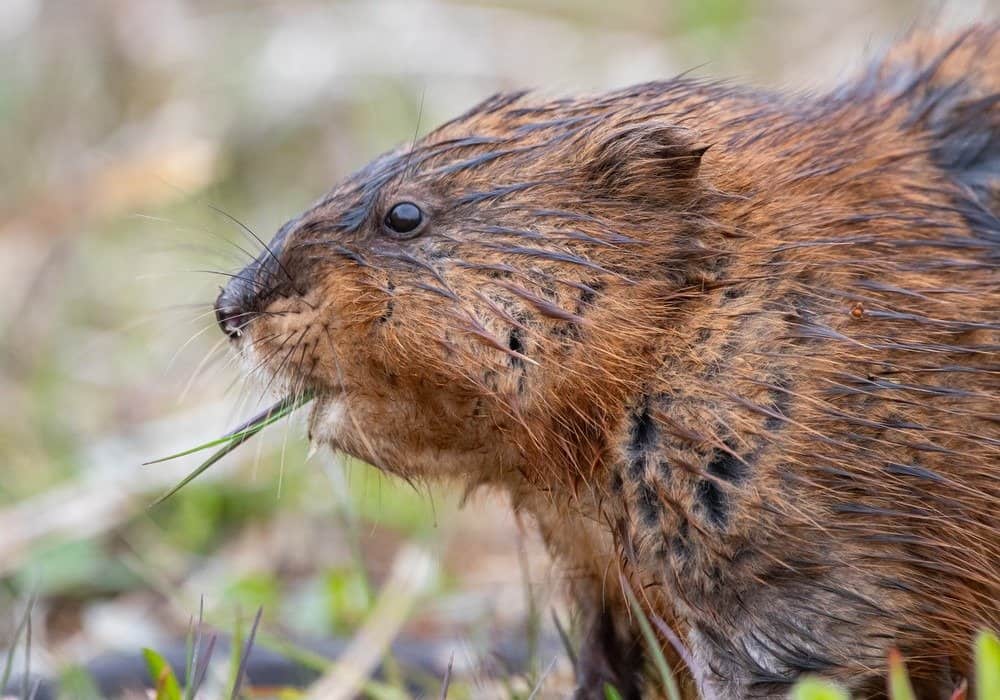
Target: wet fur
[737, 346]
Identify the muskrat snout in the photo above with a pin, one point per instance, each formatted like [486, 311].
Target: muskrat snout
[230, 313]
[236, 304]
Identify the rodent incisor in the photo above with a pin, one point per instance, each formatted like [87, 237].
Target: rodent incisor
[734, 349]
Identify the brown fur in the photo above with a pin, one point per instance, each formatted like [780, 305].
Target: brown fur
[737, 347]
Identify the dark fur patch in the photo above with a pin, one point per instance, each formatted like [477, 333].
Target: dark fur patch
[648, 504]
[728, 467]
[733, 292]
[617, 483]
[915, 471]
[390, 304]
[516, 343]
[643, 436]
[969, 142]
[588, 295]
[680, 545]
[713, 502]
[606, 657]
[664, 466]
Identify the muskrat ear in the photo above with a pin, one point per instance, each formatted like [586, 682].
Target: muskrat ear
[646, 159]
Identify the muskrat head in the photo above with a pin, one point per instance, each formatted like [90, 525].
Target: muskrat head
[483, 293]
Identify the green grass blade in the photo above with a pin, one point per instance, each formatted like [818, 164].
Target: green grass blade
[233, 440]
[9, 662]
[987, 665]
[659, 660]
[899, 680]
[164, 680]
[247, 429]
[811, 688]
[201, 468]
[244, 657]
[567, 644]
[76, 683]
[611, 693]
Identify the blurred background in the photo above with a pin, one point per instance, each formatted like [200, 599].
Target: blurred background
[125, 125]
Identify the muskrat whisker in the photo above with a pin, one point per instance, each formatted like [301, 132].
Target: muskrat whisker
[336, 248]
[199, 230]
[195, 336]
[281, 365]
[413, 143]
[259, 240]
[201, 365]
[267, 358]
[260, 286]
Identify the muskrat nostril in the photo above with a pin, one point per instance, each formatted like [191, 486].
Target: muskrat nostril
[231, 316]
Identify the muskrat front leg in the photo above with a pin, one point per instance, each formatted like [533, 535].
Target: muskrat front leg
[610, 654]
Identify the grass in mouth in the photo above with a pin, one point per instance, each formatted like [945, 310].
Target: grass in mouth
[231, 440]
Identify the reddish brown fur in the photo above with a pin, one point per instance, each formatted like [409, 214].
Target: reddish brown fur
[759, 381]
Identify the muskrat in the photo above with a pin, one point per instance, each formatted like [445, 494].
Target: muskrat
[733, 349]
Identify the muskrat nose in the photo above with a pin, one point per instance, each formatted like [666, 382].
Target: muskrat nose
[231, 312]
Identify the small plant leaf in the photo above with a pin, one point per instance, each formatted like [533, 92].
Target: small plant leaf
[164, 680]
[247, 429]
[660, 662]
[76, 682]
[812, 688]
[231, 440]
[8, 666]
[446, 683]
[899, 680]
[564, 638]
[244, 658]
[987, 665]
[611, 692]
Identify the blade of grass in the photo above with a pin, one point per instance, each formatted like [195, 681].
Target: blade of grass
[9, 663]
[247, 429]
[446, 683]
[611, 693]
[236, 439]
[245, 656]
[27, 658]
[191, 643]
[235, 647]
[659, 660]
[564, 638]
[201, 666]
[201, 468]
[165, 682]
[987, 665]
[813, 688]
[899, 679]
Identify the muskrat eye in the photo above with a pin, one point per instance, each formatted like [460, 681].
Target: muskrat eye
[404, 218]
